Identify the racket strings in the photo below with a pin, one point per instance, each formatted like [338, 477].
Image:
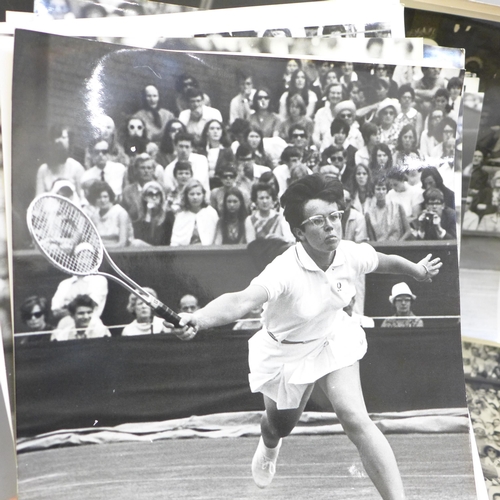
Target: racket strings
[66, 236]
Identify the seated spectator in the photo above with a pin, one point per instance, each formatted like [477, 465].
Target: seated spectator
[410, 197]
[166, 151]
[144, 168]
[470, 220]
[96, 287]
[490, 222]
[408, 114]
[263, 117]
[104, 170]
[402, 299]
[183, 84]
[265, 222]
[35, 314]
[135, 140]
[428, 138]
[299, 85]
[155, 220]
[196, 222]
[337, 156]
[85, 324]
[270, 178]
[214, 145]
[231, 225]
[388, 109]
[445, 130]
[426, 87]
[188, 304]
[111, 221]
[487, 199]
[299, 138]
[183, 144]
[291, 160]
[353, 223]
[407, 156]
[361, 188]
[347, 74]
[324, 116]
[385, 219]
[475, 172]
[253, 138]
[59, 164]
[436, 222]
[152, 114]
[241, 105]
[248, 172]
[431, 177]
[183, 173]
[104, 128]
[371, 137]
[381, 160]
[145, 322]
[339, 131]
[198, 114]
[346, 110]
[227, 175]
[295, 115]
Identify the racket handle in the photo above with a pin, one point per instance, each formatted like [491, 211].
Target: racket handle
[167, 314]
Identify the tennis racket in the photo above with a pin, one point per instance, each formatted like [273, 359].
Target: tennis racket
[69, 240]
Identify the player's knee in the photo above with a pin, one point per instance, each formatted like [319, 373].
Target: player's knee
[355, 423]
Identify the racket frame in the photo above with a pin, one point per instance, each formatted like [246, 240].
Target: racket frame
[125, 281]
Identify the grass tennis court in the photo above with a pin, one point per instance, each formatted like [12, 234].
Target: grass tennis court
[433, 466]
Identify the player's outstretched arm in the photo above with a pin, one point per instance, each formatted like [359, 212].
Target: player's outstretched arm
[423, 270]
[221, 311]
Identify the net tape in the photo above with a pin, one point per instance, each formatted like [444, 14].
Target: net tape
[65, 235]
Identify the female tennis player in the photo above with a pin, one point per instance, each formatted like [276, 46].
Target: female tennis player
[307, 338]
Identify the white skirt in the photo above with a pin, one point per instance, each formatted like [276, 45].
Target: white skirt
[284, 371]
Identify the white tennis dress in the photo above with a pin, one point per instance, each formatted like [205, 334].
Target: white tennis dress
[306, 334]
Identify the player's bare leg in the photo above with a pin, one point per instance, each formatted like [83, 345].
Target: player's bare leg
[275, 425]
[343, 388]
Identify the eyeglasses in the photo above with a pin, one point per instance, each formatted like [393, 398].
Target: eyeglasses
[388, 112]
[37, 315]
[448, 131]
[298, 136]
[260, 97]
[135, 127]
[402, 299]
[345, 115]
[154, 194]
[434, 203]
[337, 158]
[101, 151]
[320, 220]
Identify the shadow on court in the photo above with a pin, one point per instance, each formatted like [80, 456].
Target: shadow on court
[434, 467]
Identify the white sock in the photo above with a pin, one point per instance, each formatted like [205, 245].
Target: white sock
[271, 453]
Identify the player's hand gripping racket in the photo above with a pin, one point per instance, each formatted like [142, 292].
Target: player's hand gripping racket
[70, 241]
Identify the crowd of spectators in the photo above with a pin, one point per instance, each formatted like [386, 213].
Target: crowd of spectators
[482, 371]
[188, 176]
[191, 176]
[482, 203]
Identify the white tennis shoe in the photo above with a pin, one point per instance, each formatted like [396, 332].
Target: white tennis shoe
[263, 466]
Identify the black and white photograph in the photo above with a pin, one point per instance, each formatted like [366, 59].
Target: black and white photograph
[218, 183]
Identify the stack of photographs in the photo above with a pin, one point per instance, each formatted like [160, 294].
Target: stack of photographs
[156, 139]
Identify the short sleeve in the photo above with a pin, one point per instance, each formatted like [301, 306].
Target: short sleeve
[275, 277]
[367, 258]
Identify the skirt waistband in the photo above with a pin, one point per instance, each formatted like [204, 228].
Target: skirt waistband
[289, 341]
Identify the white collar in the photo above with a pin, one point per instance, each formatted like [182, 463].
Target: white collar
[308, 263]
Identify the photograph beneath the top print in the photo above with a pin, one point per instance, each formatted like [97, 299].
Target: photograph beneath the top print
[73, 9]
[179, 160]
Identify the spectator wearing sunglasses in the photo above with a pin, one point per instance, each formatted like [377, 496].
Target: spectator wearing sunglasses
[263, 117]
[228, 176]
[346, 111]
[295, 115]
[35, 315]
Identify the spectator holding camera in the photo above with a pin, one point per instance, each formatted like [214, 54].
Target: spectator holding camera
[436, 222]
